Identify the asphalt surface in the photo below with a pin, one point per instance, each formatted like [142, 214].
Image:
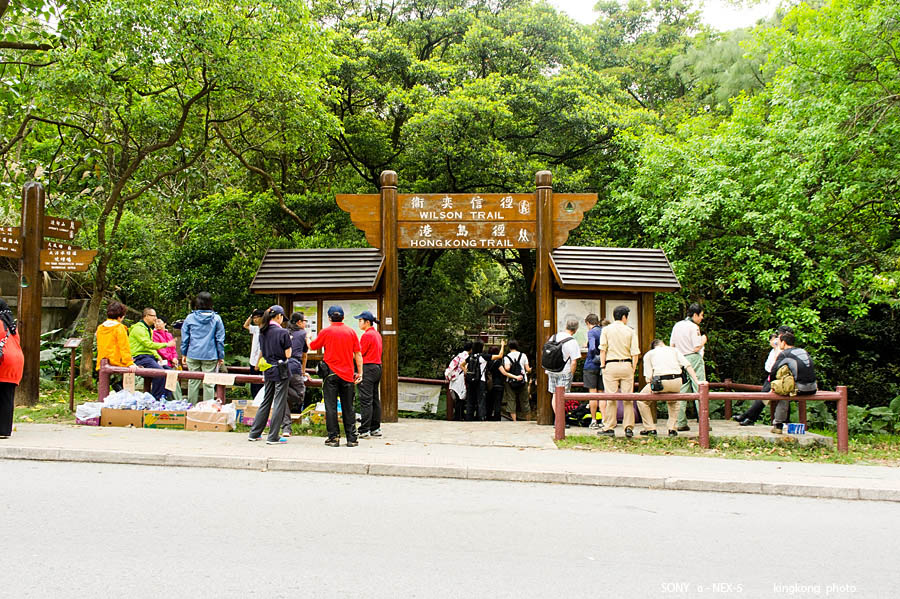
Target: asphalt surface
[106, 530]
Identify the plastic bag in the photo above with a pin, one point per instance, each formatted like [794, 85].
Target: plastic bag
[210, 405]
[89, 413]
[257, 401]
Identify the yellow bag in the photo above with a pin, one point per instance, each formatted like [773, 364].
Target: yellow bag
[262, 365]
[784, 383]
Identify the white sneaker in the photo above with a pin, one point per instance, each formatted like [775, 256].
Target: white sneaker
[594, 424]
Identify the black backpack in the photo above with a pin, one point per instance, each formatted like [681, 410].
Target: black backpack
[515, 369]
[552, 357]
[473, 372]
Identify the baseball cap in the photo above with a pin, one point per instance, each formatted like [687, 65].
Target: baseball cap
[367, 315]
[335, 311]
[276, 310]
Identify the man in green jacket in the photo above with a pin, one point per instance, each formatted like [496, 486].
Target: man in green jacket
[143, 350]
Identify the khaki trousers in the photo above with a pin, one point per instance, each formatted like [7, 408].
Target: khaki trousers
[618, 377]
[669, 386]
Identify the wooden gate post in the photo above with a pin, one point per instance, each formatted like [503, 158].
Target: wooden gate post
[31, 289]
[544, 326]
[391, 297]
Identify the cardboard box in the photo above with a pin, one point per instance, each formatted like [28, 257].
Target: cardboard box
[207, 421]
[111, 417]
[240, 407]
[168, 419]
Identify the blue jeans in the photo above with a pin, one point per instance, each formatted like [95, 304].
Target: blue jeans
[158, 383]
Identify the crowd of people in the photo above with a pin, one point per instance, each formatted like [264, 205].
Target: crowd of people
[481, 382]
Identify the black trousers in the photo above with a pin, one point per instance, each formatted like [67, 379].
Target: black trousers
[272, 408]
[476, 401]
[254, 387]
[494, 399]
[333, 387]
[369, 399]
[7, 403]
[753, 411]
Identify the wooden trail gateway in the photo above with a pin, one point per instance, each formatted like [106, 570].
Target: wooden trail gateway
[567, 281]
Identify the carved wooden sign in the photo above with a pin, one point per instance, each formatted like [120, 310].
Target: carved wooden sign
[61, 228]
[466, 220]
[67, 260]
[58, 245]
[11, 242]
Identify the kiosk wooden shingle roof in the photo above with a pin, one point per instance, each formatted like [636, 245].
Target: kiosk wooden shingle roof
[307, 271]
[615, 269]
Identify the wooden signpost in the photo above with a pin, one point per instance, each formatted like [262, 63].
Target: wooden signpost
[27, 243]
[540, 220]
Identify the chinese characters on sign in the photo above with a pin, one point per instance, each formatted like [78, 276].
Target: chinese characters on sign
[70, 260]
[486, 220]
[61, 228]
[10, 242]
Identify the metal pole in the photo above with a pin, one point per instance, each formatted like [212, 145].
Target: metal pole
[31, 288]
[801, 406]
[704, 415]
[559, 401]
[451, 407]
[843, 434]
[72, 381]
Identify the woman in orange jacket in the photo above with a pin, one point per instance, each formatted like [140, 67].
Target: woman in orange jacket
[112, 340]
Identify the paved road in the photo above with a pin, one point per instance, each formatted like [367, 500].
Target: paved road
[92, 530]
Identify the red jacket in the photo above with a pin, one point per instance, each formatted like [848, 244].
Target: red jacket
[13, 360]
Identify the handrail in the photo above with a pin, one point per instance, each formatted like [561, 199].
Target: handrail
[704, 396]
[183, 375]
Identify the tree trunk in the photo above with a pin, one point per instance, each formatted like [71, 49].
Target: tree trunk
[91, 321]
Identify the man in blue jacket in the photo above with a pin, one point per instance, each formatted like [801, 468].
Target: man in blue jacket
[202, 344]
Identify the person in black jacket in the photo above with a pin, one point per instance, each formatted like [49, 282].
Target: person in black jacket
[802, 369]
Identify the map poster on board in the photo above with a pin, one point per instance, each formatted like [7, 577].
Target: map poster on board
[311, 312]
[351, 309]
[578, 309]
[633, 315]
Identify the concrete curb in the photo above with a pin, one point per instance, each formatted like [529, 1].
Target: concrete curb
[51, 454]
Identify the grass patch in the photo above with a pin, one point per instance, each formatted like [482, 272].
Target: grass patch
[877, 450]
[52, 406]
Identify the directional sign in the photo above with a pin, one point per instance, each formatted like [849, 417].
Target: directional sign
[10, 242]
[58, 245]
[463, 235]
[68, 260]
[61, 228]
[466, 207]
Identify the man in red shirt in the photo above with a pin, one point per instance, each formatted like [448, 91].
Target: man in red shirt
[341, 351]
[369, 401]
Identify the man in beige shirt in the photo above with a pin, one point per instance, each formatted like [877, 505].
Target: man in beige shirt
[687, 339]
[665, 363]
[619, 353]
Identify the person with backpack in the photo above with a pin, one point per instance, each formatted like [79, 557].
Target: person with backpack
[476, 380]
[591, 373]
[495, 390]
[455, 374]
[202, 344]
[559, 358]
[793, 374]
[619, 353]
[515, 369]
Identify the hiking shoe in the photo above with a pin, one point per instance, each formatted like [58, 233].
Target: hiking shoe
[684, 428]
[629, 432]
[362, 436]
[606, 433]
[286, 434]
[376, 432]
[594, 424]
[352, 443]
[279, 441]
[673, 433]
[746, 422]
[777, 430]
[648, 433]
[333, 442]
[253, 438]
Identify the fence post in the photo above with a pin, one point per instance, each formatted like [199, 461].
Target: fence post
[103, 383]
[842, 427]
[801, 409]
[727, 401]
[704, 415]
[560, 422]
[220, 393]
[451, 407]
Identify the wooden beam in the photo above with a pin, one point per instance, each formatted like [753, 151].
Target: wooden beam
[390, 281]
[31, 291]
[544, 325]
